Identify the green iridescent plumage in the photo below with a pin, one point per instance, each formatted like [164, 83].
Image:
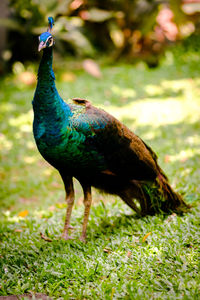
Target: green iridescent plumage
[89, 144]
[55, 124]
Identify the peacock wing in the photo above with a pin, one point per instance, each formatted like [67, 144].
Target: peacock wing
[124, 153]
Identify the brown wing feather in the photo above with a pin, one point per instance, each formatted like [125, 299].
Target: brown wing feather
[124, 152]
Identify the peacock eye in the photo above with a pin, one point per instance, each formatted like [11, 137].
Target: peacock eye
[50, 42]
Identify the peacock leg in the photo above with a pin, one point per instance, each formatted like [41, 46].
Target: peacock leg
[87, 203]
[70, 201]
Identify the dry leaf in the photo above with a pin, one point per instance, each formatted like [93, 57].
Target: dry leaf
[91, 67]
[45, 237]
[167, 158]
[23, 213]
[146, 236]
[170, 218]
[51, 208]
[107, 250]
[129, 254]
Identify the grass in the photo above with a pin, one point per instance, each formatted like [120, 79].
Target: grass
[126, 257]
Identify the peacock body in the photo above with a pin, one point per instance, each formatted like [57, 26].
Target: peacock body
[87, 143]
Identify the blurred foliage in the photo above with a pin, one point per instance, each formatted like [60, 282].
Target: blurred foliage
[133, 29]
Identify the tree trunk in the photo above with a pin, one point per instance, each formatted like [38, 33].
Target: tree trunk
[4, 12]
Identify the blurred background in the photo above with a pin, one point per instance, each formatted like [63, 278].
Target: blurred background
[137, 59]
[130, 30]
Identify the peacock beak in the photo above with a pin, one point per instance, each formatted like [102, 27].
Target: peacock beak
[41, 46]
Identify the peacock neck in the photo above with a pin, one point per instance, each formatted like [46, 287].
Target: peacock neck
[46, 79]
[46, 93]
[48, 106]
[45, 72]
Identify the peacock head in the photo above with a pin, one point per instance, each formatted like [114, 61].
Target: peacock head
[46, 39]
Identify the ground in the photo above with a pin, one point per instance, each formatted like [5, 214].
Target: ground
[125, 257]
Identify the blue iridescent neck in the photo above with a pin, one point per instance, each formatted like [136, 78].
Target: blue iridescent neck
[46, 92]
[47, 101]
[45, 72]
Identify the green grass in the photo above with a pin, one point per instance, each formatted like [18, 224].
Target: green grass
[119, 261]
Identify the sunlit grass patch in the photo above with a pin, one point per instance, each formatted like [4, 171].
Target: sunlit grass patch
[126, 257]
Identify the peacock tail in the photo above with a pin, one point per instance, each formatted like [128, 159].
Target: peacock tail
[87, 143]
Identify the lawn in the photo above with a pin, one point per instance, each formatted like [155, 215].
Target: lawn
[125, 257]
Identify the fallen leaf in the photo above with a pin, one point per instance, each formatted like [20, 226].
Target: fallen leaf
[18, 230]
[170, 218]
[23, 213]
[107, 250]
[145, 237]
[167, 158]
[45, 237]
[129, 254]
[51, 208]
[91, 67]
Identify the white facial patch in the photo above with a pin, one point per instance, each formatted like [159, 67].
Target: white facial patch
[49, 41]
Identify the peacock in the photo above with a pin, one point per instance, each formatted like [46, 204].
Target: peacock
[86, 143]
